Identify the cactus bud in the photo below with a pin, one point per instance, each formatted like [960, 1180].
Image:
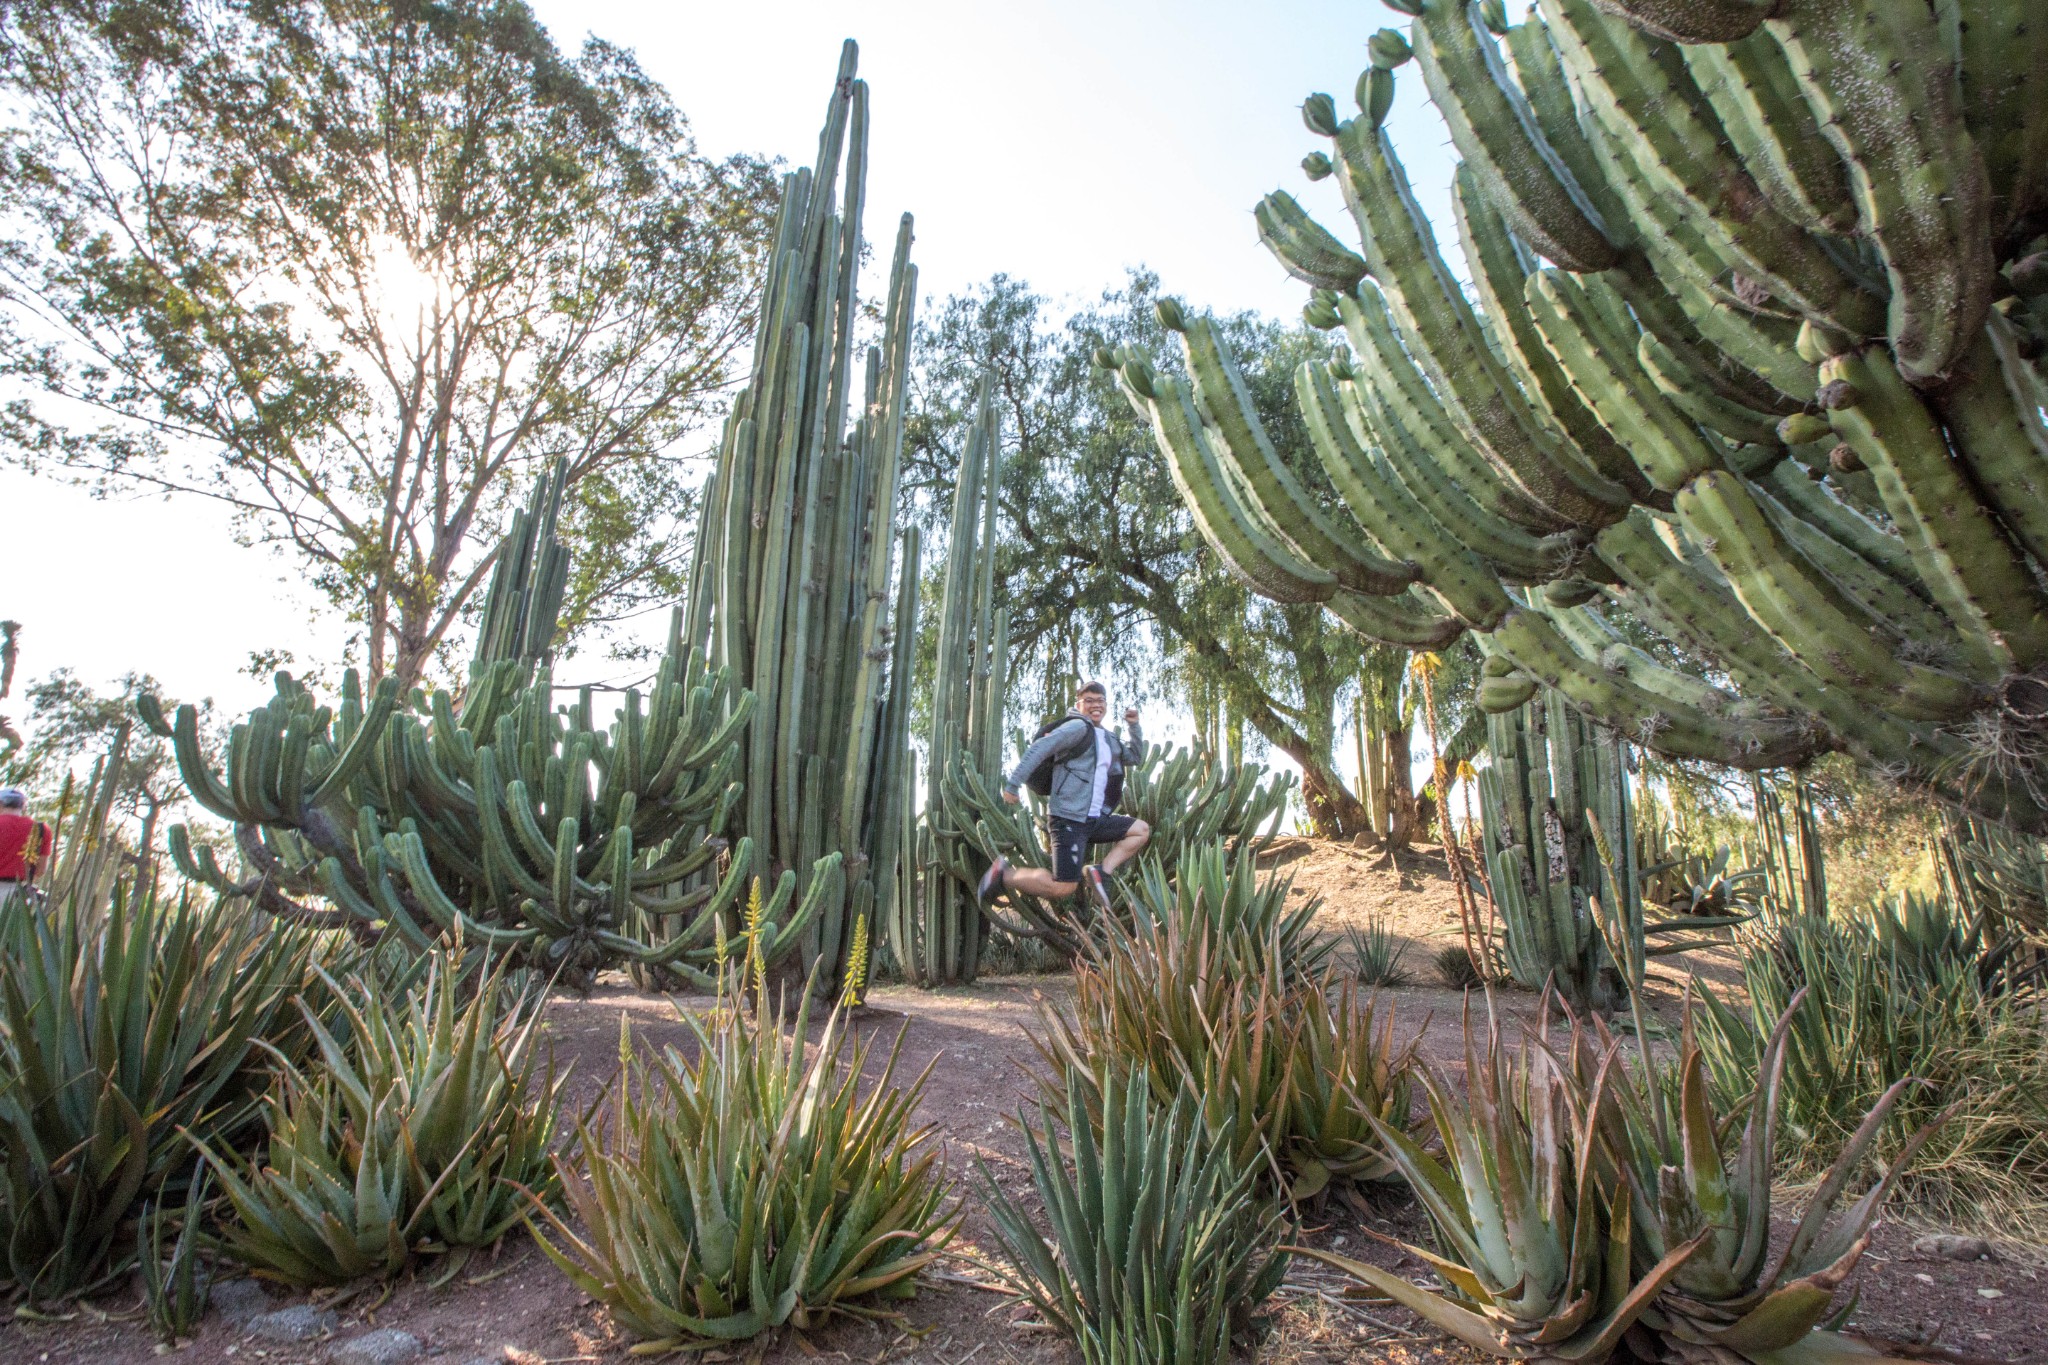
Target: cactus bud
[1388, 49]
[1138, 375]
[1171, 316]
[1843, 459]
[1570, 592]
[1104, 358]
[2029, 275]
[1319, 112]
[1838, 394]
[1494, 14]
[1816, 344]
[1496, 666]
[1376, 94]
[1316, 166]
[1802, 427]
[1411, 8]
[1321, 311]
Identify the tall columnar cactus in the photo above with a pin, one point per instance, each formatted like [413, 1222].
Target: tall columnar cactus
[935, 928]
[1552, 777]
[790, 590]
[498, 819]
[1752, 355]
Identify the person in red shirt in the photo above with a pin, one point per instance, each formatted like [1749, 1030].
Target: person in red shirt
[24, 843]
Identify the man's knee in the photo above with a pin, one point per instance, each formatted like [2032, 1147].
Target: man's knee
[1140, 831]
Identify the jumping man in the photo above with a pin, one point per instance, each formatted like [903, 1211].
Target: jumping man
[1085, 758]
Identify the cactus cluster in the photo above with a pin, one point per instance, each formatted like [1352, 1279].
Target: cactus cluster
[1189, 797]
[790, 584]
[1752, 355]
[936, 928]
[497, 819]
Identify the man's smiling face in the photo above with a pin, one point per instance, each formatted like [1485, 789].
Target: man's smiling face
[1094, 706]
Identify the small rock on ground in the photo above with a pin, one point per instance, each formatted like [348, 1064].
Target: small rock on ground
[385, 1346]
[1952, 1247]
[300, 1322]
[237, 1301]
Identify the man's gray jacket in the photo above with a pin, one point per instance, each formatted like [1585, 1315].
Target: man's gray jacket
[1073, 776]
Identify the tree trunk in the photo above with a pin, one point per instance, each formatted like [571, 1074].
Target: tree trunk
[1333, 812]
[1399, 789]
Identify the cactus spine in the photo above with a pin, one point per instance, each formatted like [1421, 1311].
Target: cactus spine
[797, 545]
[1754, 355]
[498, 819]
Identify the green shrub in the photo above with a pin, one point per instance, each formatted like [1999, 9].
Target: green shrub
[120, 1028]
[422, 1128]
[1875, 1012]
[1288, 1066]
[1158, 1248]
[747, 1187]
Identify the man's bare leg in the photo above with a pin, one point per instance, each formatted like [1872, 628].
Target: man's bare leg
[1037, 881]
[1128, 847]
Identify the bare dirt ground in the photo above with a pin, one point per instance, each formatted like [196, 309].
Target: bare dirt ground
[516, 1308]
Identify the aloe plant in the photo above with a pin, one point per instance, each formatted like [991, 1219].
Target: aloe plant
[1736, 1294]
[414, 1135]
[1538, 1259]
[756, 1184]
[120, 1028]
[1159, 1247]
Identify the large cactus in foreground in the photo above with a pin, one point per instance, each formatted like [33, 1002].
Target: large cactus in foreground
[791, 584]
[1753, 356]
[935, 926]
[496, 818]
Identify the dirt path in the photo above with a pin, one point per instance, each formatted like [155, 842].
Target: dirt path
[518, 1308]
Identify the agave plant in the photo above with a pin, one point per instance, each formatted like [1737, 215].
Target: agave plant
[1702, 884]
[1538, 1260]
[1376, 955]
[176, 1281]
[751, 1186]
[1348, 1079]
[1734, 1296]
[120, 1027]
[1159, 1246]
[1249, 916]
[1169, 995]
[415, 1135]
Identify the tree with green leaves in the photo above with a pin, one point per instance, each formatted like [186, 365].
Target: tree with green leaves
[1098, 562]
[359, 271]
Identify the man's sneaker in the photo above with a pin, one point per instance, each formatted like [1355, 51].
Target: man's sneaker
[991, 884]
[1098, 884]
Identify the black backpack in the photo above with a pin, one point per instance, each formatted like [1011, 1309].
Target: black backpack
[1039, 779]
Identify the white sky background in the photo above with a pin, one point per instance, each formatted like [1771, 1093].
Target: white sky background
[1059, 142]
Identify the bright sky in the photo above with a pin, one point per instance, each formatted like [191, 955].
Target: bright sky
[1060, 142]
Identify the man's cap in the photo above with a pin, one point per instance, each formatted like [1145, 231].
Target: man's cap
[13, 798]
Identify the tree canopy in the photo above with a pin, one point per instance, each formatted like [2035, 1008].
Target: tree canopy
[358, 271]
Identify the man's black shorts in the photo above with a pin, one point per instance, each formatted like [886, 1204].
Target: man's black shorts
[1070, 840]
